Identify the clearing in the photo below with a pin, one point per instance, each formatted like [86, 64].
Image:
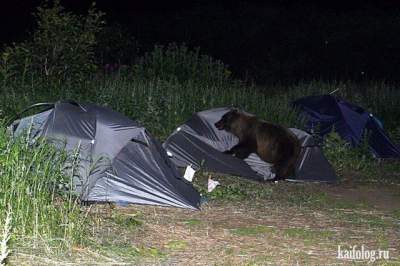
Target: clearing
[242, 223]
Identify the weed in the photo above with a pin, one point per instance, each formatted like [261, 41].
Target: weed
[374, 221]
[123, 249]
[301, 195]
[369, 220]
[234, 188]
[151, 252]
[229, 192]
[192, 222]
[307, 235]
[396, 215]
[127, 221]
[383, 242]
[349, 159]
[176, 245]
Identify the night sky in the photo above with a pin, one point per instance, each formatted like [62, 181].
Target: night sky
[281, 39]
[16, 16]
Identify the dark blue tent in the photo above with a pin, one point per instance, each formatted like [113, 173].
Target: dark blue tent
[323, 113]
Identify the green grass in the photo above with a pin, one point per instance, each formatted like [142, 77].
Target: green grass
[192, 222]
[151, 252]
[233, 188]
[176, 245]
[127, 221]
[35, 188]
[372, 221]
[307, 235]
[123, 250]
[396, 215]
[162, 105]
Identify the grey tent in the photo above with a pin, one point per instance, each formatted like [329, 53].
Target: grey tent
[119, 160]
[198, 143]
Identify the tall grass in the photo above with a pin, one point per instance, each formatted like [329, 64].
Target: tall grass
[5, 237]
[162, 105]
[170, 84]
[31, 181]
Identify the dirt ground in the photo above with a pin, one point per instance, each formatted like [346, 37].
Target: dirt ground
[280, 224]
[379, 196]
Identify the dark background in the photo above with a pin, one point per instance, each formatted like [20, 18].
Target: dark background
[260, 40]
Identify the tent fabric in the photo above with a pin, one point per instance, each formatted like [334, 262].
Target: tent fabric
[119, 160]
[323, 113]
[200, 144]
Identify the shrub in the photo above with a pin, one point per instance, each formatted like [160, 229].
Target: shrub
[117, 46]
[179, 63]
[61, 48]
[347, 159]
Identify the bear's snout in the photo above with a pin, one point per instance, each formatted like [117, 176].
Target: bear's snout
[219, 125]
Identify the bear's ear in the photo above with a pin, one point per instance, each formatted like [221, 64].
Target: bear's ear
[235, 110]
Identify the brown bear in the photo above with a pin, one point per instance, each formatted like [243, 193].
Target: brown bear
[273, 143]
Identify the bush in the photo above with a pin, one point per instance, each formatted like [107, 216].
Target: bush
[179, 63]
[116, 46]
[61, 48]
[347, 159]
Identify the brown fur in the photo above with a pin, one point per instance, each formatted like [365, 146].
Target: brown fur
[273, 143]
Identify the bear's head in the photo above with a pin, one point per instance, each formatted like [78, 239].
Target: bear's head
[227, 120]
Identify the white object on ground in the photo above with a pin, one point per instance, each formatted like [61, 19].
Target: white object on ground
[189, 173]
[212, 184]
[272, 175]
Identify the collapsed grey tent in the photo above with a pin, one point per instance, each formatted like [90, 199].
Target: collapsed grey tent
[198, 143]
[119, 161]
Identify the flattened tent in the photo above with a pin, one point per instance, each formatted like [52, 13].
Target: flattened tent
[119, 160]
[198, 143]
[323, 113]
